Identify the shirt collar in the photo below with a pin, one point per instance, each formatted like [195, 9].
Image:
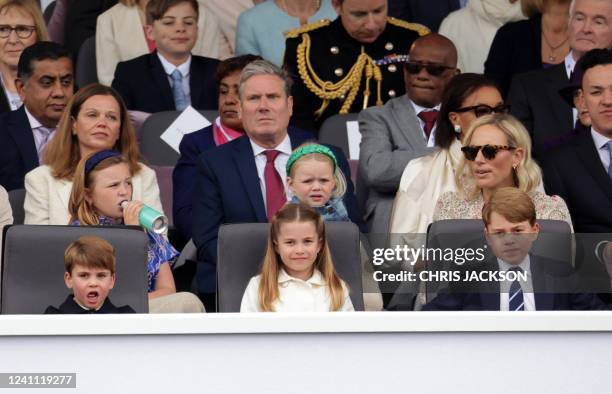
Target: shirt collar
[34, 123]
[169, 67]
[84, 307]
[524, 265]
[600, 140]
[283, 147]
[315, 279]
[418, 109]
[570, 64]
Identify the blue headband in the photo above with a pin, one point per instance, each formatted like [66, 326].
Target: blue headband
[94, 160]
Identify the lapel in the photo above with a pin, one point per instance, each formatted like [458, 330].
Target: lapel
[245, 161]
[161, 80]
[587, 153]
[542, 285]
[19, 127]
[409, 128]
[63, 188]
[557, 79]
[196, 82]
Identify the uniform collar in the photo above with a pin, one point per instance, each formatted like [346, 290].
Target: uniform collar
[315, 279]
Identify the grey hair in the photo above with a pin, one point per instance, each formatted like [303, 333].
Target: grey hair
[264, 67]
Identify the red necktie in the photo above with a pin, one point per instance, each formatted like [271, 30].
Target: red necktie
[429, 117]
[275, 191]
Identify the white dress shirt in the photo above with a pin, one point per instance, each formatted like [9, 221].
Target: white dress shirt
[40, 133]
[601, 142]
[295, 295]
[528, 297]
[418, 109]
[183, 69]
[570, 64]
[280, 163]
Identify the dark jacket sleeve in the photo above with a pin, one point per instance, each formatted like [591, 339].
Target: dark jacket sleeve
[303, 99]
[121, 84]
[183, 177]
[207, 212]
[519, 102]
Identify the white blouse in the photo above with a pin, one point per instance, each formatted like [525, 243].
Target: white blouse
[295, 295]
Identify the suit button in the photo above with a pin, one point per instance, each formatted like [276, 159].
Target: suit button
[389, 46]
[334, 50]
[392, 68]
[391, 93]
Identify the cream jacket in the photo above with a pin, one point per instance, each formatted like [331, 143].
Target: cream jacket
[46, 200]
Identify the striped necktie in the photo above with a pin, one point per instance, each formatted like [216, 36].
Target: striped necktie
[516, 301]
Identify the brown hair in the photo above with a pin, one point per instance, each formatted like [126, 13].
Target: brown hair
[91, 252]
[511, 203]
[272, 263]
[32, 8]
[157, 8]
[63, 153]
[79, 208]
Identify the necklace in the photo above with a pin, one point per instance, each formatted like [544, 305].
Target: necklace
[552, 57]
[303, 18]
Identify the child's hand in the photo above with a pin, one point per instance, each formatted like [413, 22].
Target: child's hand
[131, 212]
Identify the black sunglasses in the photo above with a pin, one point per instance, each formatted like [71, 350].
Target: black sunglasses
[432, 69]
[483, 109]
[488, 151]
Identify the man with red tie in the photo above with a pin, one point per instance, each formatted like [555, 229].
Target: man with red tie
[244, 181]
[403, 129]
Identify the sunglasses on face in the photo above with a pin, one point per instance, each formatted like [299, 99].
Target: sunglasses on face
[488, 151]
[432, 69]
[483, 109]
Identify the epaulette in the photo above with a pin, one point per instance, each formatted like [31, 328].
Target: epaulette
[422, 30]
[306, 28]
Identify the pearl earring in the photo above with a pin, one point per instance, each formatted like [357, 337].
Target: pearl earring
[457, 129]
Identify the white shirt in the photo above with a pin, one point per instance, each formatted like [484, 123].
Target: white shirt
[600, 141]
[183, 69]
[418, 109]
[295, 295]
[40, 136]
[528, 297]
[570, 64]
[280, 163]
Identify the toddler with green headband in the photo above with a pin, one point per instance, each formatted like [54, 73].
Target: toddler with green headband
[314, 179]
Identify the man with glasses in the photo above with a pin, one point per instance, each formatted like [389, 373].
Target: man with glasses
[403, 129]
[349, 64]
[45, 84]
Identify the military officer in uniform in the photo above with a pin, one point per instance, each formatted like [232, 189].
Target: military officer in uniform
[349, 64]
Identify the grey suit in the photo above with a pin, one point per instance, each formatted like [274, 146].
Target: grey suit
[391, 136]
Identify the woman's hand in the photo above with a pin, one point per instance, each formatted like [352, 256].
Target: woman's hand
[131, 212]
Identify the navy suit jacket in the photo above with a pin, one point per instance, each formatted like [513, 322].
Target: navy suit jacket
[228, 191]
[144, 86]
[19, 154]
[554, 286]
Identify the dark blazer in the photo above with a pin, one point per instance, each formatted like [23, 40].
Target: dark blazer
[574, 171]
[19, 154]
[554, 289]
[4, 104]
[535, 100]
[228, 191]
[423, 11]
[143, 84]
[70, 307]
[81, 18]
[516, 49]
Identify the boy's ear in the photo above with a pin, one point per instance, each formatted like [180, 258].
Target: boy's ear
[536, 230]
[112, 284]
[68, 279]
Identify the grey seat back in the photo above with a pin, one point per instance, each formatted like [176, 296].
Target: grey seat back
[334, 132]
[153, 148]
[86, 70]
[241, 249]
[16, 199]
[32, 277]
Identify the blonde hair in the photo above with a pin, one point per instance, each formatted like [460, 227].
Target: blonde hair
[272, 263]
[78, 207]
[340, 188]
[532, 7]
[32, 8]
[90, 252]
[63, 152]
[527, 175]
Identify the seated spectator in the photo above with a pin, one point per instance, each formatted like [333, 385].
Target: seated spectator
[102, 183]
[467, 97]
[297, 273]
[497, 153]
[21, 25]
[473, 28]
[227, 13]
[6, 214]
[580, 170]
[225, 128]
[532, 96]
[170, 78]
[45, 84]
[243, 181]
[404, 128]
[511, 228]
[121, 34]
[532, 44]
[90, 274]
[261, 29]
[95, 119]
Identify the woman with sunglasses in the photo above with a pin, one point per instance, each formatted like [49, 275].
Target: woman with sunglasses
[21, 25]
[497, 153]
[467, 97]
